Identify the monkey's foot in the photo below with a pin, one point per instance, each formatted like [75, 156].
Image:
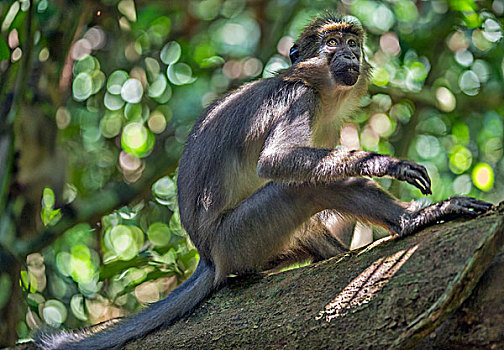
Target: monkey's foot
[446, 210]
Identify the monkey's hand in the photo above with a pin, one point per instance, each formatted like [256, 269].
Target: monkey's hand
[412, 173]
[380, 165]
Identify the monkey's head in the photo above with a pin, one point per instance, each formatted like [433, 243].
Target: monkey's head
[335, 43]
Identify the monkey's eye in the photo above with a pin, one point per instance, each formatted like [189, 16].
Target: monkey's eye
[352, 43]
[332, 42]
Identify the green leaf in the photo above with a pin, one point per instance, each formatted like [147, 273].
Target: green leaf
[472, 20]
[28, 282]
[463, 5]
[48, 198]
[116, 267]
[175, 225]
[50, 217]
[189, 259]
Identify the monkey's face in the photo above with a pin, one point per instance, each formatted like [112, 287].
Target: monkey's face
[343, 51]
[331, 47]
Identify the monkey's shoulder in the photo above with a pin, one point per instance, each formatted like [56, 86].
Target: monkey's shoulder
[257, 105]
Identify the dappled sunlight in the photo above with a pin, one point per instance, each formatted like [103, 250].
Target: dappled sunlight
[366, 286]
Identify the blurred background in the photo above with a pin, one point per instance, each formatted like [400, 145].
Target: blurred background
[97, 98]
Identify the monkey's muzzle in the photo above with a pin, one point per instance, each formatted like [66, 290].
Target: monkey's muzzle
[345, 69]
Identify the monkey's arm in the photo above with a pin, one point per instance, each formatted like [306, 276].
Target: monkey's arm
[287, 157]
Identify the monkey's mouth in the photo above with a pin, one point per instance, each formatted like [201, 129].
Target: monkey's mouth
[347, 75]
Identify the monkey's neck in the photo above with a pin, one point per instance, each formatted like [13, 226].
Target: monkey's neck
[334, 109]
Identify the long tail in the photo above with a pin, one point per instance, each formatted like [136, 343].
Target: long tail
[162, 313]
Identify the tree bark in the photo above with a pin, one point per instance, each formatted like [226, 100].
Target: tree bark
[441, 288]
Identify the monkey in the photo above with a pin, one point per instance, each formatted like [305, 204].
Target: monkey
[260, 181]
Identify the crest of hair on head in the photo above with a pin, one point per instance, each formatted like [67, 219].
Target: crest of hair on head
[332, 22]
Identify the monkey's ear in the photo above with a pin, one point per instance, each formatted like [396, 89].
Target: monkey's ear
[294, 54]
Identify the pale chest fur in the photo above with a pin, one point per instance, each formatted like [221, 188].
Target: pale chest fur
[334, 109]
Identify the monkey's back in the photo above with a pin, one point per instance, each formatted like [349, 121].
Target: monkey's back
[218, 168]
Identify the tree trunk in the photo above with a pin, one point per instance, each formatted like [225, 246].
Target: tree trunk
[441, 288]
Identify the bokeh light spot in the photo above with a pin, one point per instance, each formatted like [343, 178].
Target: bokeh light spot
[464, 57]
[427, 146]
[54, 312]
[82, 86]
[113, 102]
[110, 125]
[170, 53]
[402, 111]
[136, 139]
[389, 43]
[381, 124]
[492, 30]
[462, 184]
[147, 292]
[125, 241]
[274, 66]
[469, 83]
[483, 176]
[381, 76]
[252, 67]
[116, 81]
[159, 234]
[446, 99]
[133, 112]
[417, 71]
[132, 91]
[165, 192]
[158, 86]
[77, 307]
[382, 18]
[406, 11]
[157, 122]
[180, 74]
[128, 162]
[127, 8]
[460, 159]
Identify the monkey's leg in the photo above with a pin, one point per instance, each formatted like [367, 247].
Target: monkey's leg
[324, 235]
[364, 200]
[264, 224]
[260, 227]
[328, 234]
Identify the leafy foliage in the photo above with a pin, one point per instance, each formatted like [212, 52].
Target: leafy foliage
[98, 98]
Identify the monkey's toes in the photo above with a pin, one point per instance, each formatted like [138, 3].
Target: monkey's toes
[469, 206]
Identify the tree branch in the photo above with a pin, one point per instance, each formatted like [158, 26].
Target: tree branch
[392, 294]
[457, 291]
